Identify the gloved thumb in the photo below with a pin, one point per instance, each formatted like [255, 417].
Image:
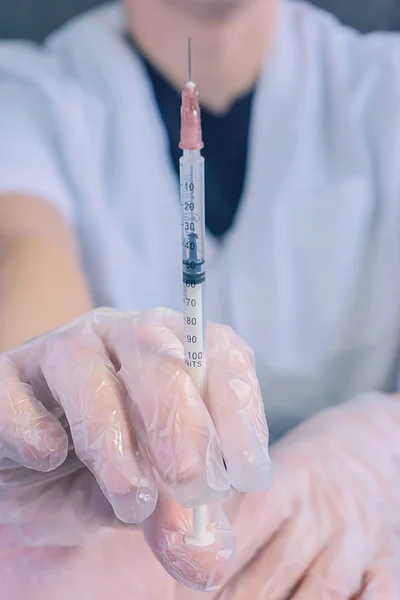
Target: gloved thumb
[202, 569]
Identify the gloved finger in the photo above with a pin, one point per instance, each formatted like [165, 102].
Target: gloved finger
[236, 407]
[383, 577]
[29, 434]
[234, 401]
[337, 573]
[279, 566]
[259, 573]
[169, 417]
[81, 378]
[203, 569]
[271, 510]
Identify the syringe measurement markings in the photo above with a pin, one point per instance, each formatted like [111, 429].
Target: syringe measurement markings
[193, 353]
[193, 343]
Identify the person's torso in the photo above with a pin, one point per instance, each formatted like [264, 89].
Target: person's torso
[309, 272]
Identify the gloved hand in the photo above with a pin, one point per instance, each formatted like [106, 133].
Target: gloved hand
[327, 528]
[105, 404]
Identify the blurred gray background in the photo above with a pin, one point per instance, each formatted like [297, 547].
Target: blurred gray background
[34, 19]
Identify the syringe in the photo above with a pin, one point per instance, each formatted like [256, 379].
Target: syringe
[193, 261]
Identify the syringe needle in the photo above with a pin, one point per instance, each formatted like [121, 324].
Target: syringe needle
[190, 58]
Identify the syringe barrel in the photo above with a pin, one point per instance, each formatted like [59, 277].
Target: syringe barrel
[193, 263]
[193, 217]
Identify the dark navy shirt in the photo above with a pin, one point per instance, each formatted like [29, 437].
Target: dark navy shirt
[225, 149]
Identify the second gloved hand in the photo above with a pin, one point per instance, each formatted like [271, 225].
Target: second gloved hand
[327, 528]
[99, 421]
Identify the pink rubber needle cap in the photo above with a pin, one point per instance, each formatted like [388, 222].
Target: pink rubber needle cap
[191, 134]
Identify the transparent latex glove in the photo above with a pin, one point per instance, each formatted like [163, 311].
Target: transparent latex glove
[118, 564]
[326, 529]
[84, 572]
[97, 417]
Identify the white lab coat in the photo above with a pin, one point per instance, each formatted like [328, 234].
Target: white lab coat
[309, 275]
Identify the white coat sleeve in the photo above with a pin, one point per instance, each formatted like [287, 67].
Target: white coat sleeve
[39, 108]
